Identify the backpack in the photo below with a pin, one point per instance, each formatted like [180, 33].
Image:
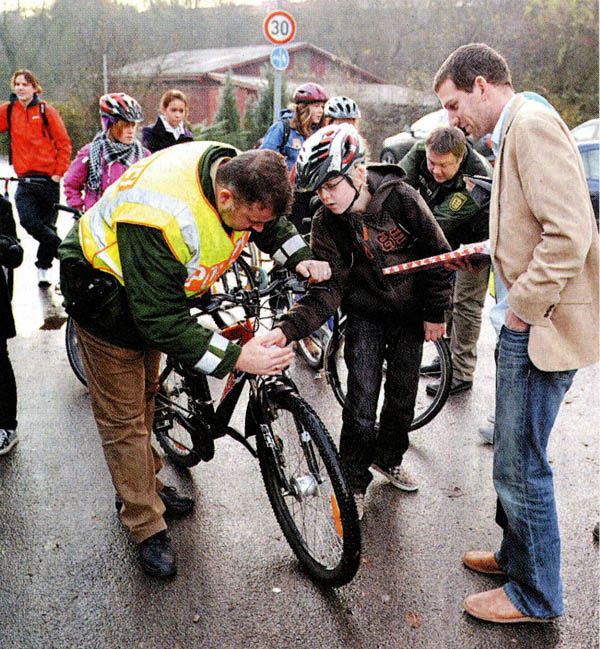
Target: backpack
[11, 102]
[286, 135]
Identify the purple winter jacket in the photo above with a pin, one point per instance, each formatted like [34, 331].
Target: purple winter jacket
[75, 180]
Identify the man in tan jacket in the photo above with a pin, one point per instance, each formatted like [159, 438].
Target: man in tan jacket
[544, 247]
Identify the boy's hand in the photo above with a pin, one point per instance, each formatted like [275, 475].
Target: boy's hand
[434, 330]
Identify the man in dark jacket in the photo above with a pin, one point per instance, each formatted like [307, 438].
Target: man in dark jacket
[437, 169]
[369, 220]
[11, 256]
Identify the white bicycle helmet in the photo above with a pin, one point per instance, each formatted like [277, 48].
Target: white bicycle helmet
[341, 107]
[331, 151]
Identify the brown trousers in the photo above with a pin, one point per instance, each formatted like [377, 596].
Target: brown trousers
[122, 384]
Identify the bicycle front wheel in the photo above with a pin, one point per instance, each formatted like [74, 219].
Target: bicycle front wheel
[73, 353]
[426, 407]
[308, 492]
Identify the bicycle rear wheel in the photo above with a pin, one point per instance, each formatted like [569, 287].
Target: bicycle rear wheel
[426, 407]
[73, 353]
[307, 490]
[173, 426]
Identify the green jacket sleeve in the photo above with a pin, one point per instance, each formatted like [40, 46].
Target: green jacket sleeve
[154, 282]
[281, 241]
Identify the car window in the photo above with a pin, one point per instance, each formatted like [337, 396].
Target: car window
[586, 131]
[590, 163]
[422, 127]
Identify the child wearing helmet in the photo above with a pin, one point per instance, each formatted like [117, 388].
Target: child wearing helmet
[341, 110]
[304, 118]
[169, 128]
[107, 157]
[370, 219]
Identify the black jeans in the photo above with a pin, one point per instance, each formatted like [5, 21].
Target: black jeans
[8, 389]
[35, 204]
[368, 344]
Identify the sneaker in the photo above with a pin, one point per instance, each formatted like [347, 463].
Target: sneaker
[487, 434]
[157, 558]
[44, 277]
[8, 438]
[434, 369]
[359, 501]
[398, 476]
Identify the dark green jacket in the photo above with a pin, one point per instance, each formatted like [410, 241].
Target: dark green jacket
[461, 218]
[151, 311]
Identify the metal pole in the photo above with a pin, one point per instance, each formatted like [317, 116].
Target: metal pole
[105, 73]
[278, 83]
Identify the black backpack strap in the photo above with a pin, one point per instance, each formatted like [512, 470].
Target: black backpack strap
[286, 135]
[11, 103]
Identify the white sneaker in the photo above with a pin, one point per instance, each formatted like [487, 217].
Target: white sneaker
[487, 434]
[44, 277]
[8, 438]
[359, 501]
[398, 477]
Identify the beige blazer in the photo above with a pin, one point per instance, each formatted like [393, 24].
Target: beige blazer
[544, 239]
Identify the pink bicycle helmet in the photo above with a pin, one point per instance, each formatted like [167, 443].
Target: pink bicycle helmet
[118, 105]
[309, 93]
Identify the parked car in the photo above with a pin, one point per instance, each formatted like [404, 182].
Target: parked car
[589, 130]
[397, 146]
[590, 151]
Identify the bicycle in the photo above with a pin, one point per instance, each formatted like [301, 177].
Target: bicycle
[310, 498]
[426, 407]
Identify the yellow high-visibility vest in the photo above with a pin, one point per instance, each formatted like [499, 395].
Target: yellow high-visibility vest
[164, 192]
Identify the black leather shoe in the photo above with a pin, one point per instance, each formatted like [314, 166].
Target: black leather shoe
[455, 387]
[434, 369]
[176, 506]
[157, 557]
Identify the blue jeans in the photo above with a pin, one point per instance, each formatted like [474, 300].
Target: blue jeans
[35, 205]
[527, 403]
[367, 345]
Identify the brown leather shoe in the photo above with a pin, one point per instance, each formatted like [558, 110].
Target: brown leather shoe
[482, 561]
[494, 606]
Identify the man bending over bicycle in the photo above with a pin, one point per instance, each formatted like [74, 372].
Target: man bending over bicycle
[370, 219]
[165, 231]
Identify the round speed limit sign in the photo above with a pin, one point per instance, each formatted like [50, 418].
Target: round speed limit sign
[279, 27]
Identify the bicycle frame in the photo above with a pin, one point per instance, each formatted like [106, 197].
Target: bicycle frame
[216, 420]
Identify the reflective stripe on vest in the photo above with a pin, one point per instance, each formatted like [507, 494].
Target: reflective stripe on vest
[144, 195]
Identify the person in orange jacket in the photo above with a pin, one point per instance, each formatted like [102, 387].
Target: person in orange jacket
[40, 152]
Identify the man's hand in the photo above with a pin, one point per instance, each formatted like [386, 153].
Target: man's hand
[316, 271]
[434, 330]
[56, 178]
[261, 356]
[514, 322]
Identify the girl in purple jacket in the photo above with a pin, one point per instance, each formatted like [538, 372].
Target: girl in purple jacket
[105, 159]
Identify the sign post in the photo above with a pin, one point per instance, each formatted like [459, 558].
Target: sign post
[279, 28]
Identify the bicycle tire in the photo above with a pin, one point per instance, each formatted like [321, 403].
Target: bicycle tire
[316, 514]
[171, 426]
[426, 407]
[238, 276]
[73, 353]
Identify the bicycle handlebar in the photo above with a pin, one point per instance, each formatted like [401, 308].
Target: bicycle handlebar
[75, 211]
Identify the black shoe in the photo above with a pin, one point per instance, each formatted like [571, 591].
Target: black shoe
[596, 532]
[434, 369]
[455, 387]
[176, 506]
[157, 557]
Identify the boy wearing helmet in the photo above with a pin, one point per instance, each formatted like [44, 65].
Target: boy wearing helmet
[40, 148]
[112, 151]
[341, 110]
[370, 219]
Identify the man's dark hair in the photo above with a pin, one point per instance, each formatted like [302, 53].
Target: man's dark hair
[447, 139]
[468, 62]
[259, 176]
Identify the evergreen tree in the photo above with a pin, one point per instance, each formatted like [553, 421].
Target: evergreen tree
[226, 124]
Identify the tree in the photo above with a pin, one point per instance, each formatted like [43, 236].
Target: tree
[226, 124]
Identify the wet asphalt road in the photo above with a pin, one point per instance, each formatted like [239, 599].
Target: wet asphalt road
[68, 571]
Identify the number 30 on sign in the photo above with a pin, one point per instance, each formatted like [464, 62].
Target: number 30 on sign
[279, 27]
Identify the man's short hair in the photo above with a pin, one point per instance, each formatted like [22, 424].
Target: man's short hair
[259, 176]
[447, 139]
[468, 62]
